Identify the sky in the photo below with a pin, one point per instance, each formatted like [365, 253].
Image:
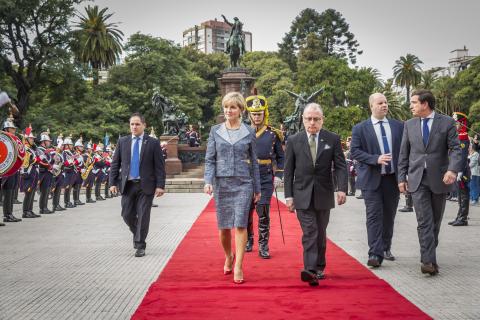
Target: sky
[385, 29]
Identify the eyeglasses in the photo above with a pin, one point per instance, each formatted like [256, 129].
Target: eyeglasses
[314, 119]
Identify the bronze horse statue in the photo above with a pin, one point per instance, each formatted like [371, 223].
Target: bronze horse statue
[235, 43]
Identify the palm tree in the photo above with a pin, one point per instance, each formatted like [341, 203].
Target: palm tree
[396, 109]
[99, 42]
[407, 72]
[428, 79]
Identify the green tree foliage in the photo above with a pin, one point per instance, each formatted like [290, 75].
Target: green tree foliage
[314, 35]
[407, 73]
[444, 90]
[98, 43]
[33, 34]
[341, 120]
[273, 76]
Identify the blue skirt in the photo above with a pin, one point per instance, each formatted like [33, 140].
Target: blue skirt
[233, 198]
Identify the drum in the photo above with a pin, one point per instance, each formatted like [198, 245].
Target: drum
[12, 153]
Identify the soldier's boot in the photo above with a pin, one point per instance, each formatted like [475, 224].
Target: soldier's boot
[43, 202]
[463, 208]
[263, 212]
[8, 207]
[98, 195]
[88, 191]
[66, 198]
[76, 195]
[56, 200]
[249, 246]
[28, 205]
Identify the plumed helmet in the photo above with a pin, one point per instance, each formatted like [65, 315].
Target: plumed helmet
[79, 142]
[462, 121]
[8, 123]
[99, 147]
[257, 103]
[44, 136]
[68, 141]
[28, 132]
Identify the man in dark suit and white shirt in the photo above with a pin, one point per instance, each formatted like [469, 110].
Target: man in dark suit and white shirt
[309, 188]
[430, 157]
[376, 145]
[138, 171]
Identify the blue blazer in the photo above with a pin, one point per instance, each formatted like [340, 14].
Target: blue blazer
[365, 149]
[224, 159]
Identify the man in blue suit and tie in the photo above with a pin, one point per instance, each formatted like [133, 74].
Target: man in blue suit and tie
[376, 146]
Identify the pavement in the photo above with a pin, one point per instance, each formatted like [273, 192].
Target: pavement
[80, 265]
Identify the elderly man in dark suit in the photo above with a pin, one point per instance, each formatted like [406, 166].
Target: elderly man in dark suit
[309, 187]
[376, 145]
[430, 157]
[138, 170]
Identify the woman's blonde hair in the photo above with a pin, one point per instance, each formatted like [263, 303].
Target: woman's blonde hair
[236, 98]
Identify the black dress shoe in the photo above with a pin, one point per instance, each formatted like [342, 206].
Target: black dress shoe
[310, 277]
[387, 255]
[15, 201]
[429, 268]
[452, 222]
[320, 275]
[69, 205]
[154, 205]
[406, 209]
[35, 215]
[140, 253]
[29, 214]
[359, 197]
[59, 208]
[78, 203]
[460, 223]
[350, 194]
[99, 198]
[11, 218]
[90, 201]
[46, 211]
[374, 261]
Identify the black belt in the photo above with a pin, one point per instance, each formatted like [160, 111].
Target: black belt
[134, 181]
[388, 174]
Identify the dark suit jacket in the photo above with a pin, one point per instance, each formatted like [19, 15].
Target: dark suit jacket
[366, 150]
[152, 164]
[442, 153]
[303, 180]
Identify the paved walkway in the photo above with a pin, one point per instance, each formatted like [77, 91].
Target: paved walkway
[80, 264]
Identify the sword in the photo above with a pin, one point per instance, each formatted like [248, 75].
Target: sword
[279, 215]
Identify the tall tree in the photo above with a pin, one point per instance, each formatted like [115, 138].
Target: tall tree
[407, 72]
[326, 33]
[32, 34]
[99, 42]
[428, 79]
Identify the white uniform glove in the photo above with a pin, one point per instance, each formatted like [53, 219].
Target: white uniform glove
[4, 98]
[459, 176]
[277, 182]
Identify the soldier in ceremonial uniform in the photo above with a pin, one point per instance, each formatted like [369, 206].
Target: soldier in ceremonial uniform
[464, 176]
[9, 184]
[79, 162]
[98, 166]
[106, 170]
[57, 155]
[269, 152]
[68, 171]
[193, 137]
[45, 166]
[29, 174]
[89, 177]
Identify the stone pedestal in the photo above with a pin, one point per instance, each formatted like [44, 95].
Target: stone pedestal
[236, 79]
[173, 165]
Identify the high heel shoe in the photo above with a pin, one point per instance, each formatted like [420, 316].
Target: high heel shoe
[238, 281]
[226, 270]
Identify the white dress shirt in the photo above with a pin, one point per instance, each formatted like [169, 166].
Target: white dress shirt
[378, 133]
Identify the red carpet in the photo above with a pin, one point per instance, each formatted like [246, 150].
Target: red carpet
[192, 285]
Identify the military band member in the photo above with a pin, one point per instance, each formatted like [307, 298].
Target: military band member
[89, 177]
[29, 174]
[58, 181]
[68, 171]
[108, 162]
[45, 167]
[269, 152]
[9, 184]
[79, 167]
[98, 165]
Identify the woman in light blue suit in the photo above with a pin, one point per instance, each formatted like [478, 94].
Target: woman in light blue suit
[232, 175]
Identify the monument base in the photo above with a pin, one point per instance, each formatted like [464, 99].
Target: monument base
[173, 165]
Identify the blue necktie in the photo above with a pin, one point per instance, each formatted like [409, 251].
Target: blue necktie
[386, 147]
[135, 163]
[426, 131]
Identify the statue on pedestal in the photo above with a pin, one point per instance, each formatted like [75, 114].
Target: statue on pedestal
[174, 121]
[293, 123]
[236, 42]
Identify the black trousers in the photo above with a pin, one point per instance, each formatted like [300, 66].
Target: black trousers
[136, 207]
[314, 239]
[381, 206]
